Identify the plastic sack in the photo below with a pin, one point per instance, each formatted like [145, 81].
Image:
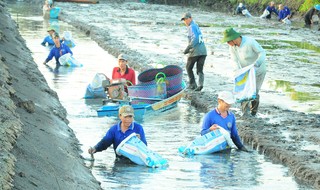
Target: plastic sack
[215, 141]
[134, 149]
[245, 84]
[246, 13]
[68, 40]
[265, 14]
[96, 88]
[286, 21]
[68, 60]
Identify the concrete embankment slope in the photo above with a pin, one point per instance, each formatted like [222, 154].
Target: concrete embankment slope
[37, 148]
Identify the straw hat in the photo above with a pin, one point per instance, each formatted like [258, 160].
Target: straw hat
[230, 34]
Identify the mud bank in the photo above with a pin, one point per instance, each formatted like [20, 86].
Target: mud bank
[38, 150]
[282, 134]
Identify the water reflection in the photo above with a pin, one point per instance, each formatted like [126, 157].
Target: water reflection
[286, 86]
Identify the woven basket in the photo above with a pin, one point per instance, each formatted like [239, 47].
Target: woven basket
[172, 75]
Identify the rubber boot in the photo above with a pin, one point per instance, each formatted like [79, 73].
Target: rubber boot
[201, 80]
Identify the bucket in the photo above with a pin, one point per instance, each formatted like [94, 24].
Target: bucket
[54, 12]
[134, 149]
[68, 60]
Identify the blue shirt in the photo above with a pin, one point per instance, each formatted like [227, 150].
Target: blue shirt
[228, 123]
[272, 9]
[58, 52]
[115, 136]
[196, 45]
[284, 13]
[48, 40]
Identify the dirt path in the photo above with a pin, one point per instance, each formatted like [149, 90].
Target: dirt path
[152, 34]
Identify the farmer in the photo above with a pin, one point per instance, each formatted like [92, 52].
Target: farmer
[267, 12]
[58, 50]
[197, 52]
[123, 71]
[118, 132]
[49, 39]
[284, 13]
[221, 116]
[246, 51]
[241, 9]
[312, 16]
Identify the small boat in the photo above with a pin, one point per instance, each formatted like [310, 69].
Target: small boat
[140, 107]
[79, 1]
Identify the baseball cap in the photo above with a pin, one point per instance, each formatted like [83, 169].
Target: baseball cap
[123, 57]
[227, 97]
[186, 15]
[126, 110]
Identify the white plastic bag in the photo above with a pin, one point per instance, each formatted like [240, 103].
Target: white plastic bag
[265, 14]
[245, 84]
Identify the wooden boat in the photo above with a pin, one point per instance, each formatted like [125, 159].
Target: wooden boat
[79, 1]
[142, 109]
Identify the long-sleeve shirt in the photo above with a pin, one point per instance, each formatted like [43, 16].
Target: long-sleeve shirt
[115, 136]
[196, 46]
[284, 13]
[228, 123]
[272, 9]
[58, 52]
[48, 40]
[249, 52]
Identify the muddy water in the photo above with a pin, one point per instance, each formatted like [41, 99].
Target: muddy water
[165, 133]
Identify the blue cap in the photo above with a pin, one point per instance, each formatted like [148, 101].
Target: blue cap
[317, 7]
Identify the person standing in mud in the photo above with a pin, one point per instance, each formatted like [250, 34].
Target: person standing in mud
[222, 117]
[197, 52]
[312, 16]
[118, 132]
[58, 50]
[246, 51]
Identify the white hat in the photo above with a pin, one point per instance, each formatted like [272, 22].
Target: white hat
[240, 4]
[227, 97]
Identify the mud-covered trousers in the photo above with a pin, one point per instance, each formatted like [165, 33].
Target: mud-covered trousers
[190, 64]
[252, 106]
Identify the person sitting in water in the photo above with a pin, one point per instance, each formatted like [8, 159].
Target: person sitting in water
[241, 9]
[118, 132]
[48, 39]
[123, 71]
[284, 14]
[222, 117]
[268, 11]
[58, 50]
[312, 16]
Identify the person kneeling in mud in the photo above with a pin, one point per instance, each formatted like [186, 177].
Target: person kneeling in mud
[221, 116]
[118, 132]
